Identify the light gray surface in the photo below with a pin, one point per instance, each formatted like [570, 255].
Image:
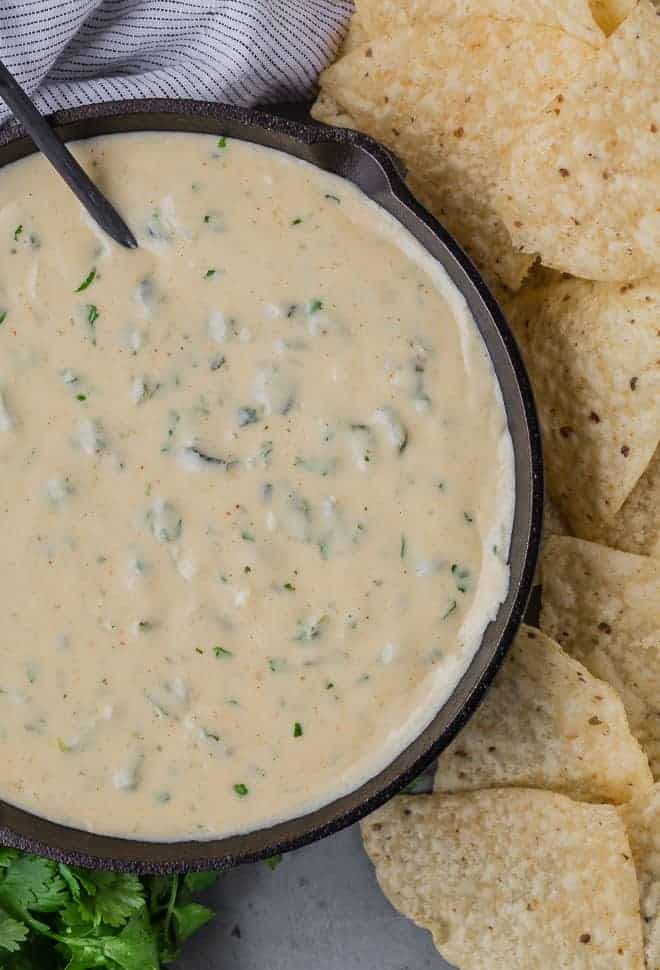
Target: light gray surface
[321, 909]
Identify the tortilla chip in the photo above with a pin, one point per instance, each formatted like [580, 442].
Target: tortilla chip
[636, 526]
[326, 109]
[464, 214]
[553, 521]
[357, 33]
[469, 218]
[547, 723]
[430, 88]
[511, 878]
[541, 275]
[642, 821]
[579, 185]
[601, 605]
[592, 352]
[428, 93]
[380, 17]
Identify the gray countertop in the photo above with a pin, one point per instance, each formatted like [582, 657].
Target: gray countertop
[321, 909]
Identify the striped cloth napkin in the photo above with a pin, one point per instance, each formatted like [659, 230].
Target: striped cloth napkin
[245, 52]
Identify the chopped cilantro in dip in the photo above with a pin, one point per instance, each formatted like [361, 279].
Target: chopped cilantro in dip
[92, 316]
[89, 279]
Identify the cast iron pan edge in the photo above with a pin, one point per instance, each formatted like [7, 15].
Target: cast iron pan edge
[368, 165]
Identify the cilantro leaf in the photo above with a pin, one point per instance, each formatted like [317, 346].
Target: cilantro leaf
[160, 888]
[135, 948]
[7, 856]
[69, 877]
[12, 933]
[189, 918]
[91, 919]
[31, 883]
[110, 897]
[199, 882]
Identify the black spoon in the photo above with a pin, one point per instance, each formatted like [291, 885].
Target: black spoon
[101, 211]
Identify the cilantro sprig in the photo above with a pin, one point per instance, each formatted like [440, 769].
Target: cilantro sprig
[67, 918]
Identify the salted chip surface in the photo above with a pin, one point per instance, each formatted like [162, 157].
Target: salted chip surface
[511, 878]
[593, 352]
[378, 17]
[397, 84]
[546, 722]
[579, 184]
[428, 93]
[642, 820]
[602, 606]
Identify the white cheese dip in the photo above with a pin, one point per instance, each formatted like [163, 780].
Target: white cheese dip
[256, 490]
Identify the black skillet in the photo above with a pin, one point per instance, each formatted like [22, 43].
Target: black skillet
[370, 167]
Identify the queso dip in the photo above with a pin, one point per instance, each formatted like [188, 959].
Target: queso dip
[256, 490]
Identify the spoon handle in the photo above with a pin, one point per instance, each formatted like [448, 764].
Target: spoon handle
[103, 213]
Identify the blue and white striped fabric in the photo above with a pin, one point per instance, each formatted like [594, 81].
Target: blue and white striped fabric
[72, 52]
